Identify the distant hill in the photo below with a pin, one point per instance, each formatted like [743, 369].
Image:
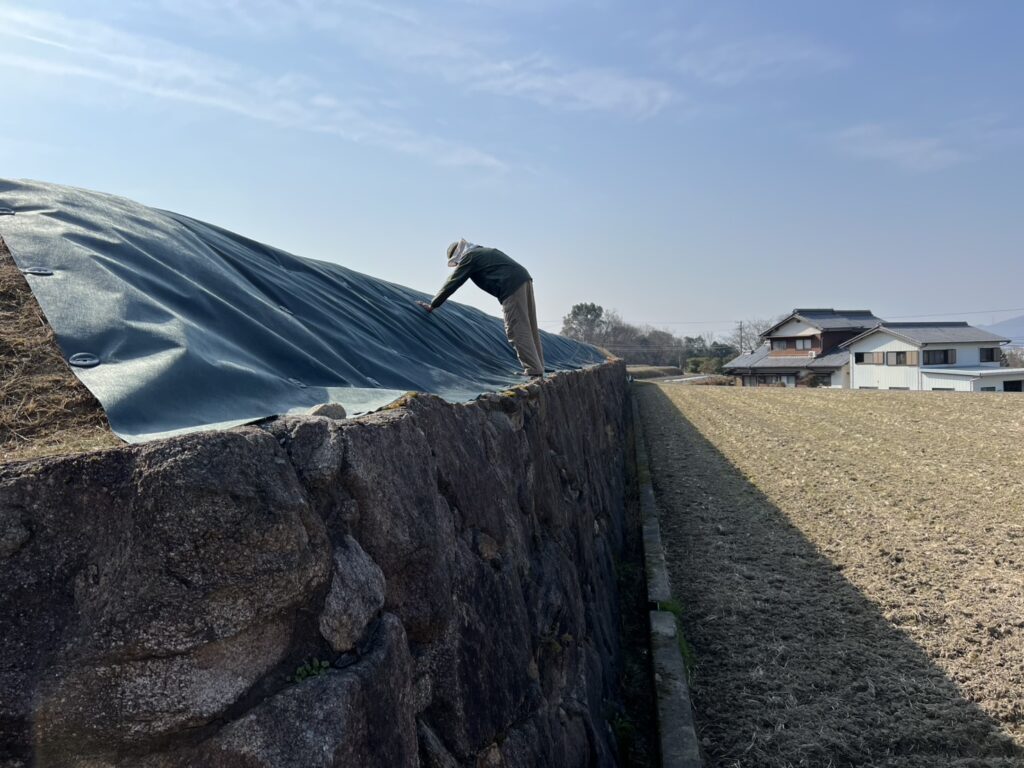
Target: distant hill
[1012, 329]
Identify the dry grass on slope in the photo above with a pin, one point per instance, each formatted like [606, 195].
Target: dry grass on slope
[44, 409]
[653, 371]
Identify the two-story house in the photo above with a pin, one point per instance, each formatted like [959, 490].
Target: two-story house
[805, 347]
[930, 356]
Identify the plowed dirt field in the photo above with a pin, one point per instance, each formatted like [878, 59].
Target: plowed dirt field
[851, 571]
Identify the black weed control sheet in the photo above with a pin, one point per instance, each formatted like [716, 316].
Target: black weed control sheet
[176, 325]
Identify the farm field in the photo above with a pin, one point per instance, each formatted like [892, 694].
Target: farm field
[850, 568]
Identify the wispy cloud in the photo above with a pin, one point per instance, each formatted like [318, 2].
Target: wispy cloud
[535, 76]
[53, 44]
[707, 58]
[911, 153]
[540, 79]
[430, 43]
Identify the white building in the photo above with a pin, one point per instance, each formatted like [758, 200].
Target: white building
[930, 356]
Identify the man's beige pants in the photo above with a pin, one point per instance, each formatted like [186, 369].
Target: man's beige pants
[520, 312]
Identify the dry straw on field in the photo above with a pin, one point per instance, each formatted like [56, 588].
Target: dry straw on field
[851, 566]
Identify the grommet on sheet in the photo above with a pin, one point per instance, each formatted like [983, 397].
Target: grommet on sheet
[84, 360]
[4, 211]
[297, 383]
[37, 271]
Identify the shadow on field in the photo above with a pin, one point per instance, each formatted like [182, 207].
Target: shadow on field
[795, 666]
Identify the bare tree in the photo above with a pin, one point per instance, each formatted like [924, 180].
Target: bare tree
[641, 344]
[746, 336]
[1013, 357]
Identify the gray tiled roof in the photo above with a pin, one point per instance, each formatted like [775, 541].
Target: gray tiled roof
[761, 359]
[749, 359]
[837, 358]
[936, 333]
[835, 319]
[831, 319]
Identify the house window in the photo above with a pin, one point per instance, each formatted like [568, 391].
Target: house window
[899, 387]
[867, 387]
[869, 358]
[940, 357]
[901, 358]
[988, 389]
[990, 354]
[778, 344]
[942, 389]
[803, 343]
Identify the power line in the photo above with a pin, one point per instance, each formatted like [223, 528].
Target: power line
[972, 312]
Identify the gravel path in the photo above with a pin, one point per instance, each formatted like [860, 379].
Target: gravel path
[851, 571]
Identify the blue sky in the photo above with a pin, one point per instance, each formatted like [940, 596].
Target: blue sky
[674, 161]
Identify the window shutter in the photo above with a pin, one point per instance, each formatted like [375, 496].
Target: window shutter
[890, 358]
[879, 358]
[913, 357]
[952, 357]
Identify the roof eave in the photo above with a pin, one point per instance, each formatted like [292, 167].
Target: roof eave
[966, 341]
[790, 316]
[864, 335]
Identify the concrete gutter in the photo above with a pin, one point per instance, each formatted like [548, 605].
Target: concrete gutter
[680, 747]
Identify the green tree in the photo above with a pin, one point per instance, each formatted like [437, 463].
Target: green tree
[585, 322]
[695, 346]
[722, 351]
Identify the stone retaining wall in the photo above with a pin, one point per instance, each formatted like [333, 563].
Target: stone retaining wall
[451, 567]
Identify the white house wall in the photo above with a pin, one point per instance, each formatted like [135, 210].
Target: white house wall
[998, 381]
[967, 355]
[932, 380]
[883, 376]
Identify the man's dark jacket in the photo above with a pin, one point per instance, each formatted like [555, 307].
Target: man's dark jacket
[490, 269]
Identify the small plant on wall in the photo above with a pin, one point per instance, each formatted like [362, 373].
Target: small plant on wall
[312, 668]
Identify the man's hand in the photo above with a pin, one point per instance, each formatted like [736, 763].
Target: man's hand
[425, 306]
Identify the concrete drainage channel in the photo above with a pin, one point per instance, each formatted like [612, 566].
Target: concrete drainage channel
[677, 733]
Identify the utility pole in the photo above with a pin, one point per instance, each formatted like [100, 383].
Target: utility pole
[743, 346]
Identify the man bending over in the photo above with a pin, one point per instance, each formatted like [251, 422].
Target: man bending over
[509, 283]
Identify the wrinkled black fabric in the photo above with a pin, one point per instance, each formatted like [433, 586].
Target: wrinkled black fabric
[196, 327]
